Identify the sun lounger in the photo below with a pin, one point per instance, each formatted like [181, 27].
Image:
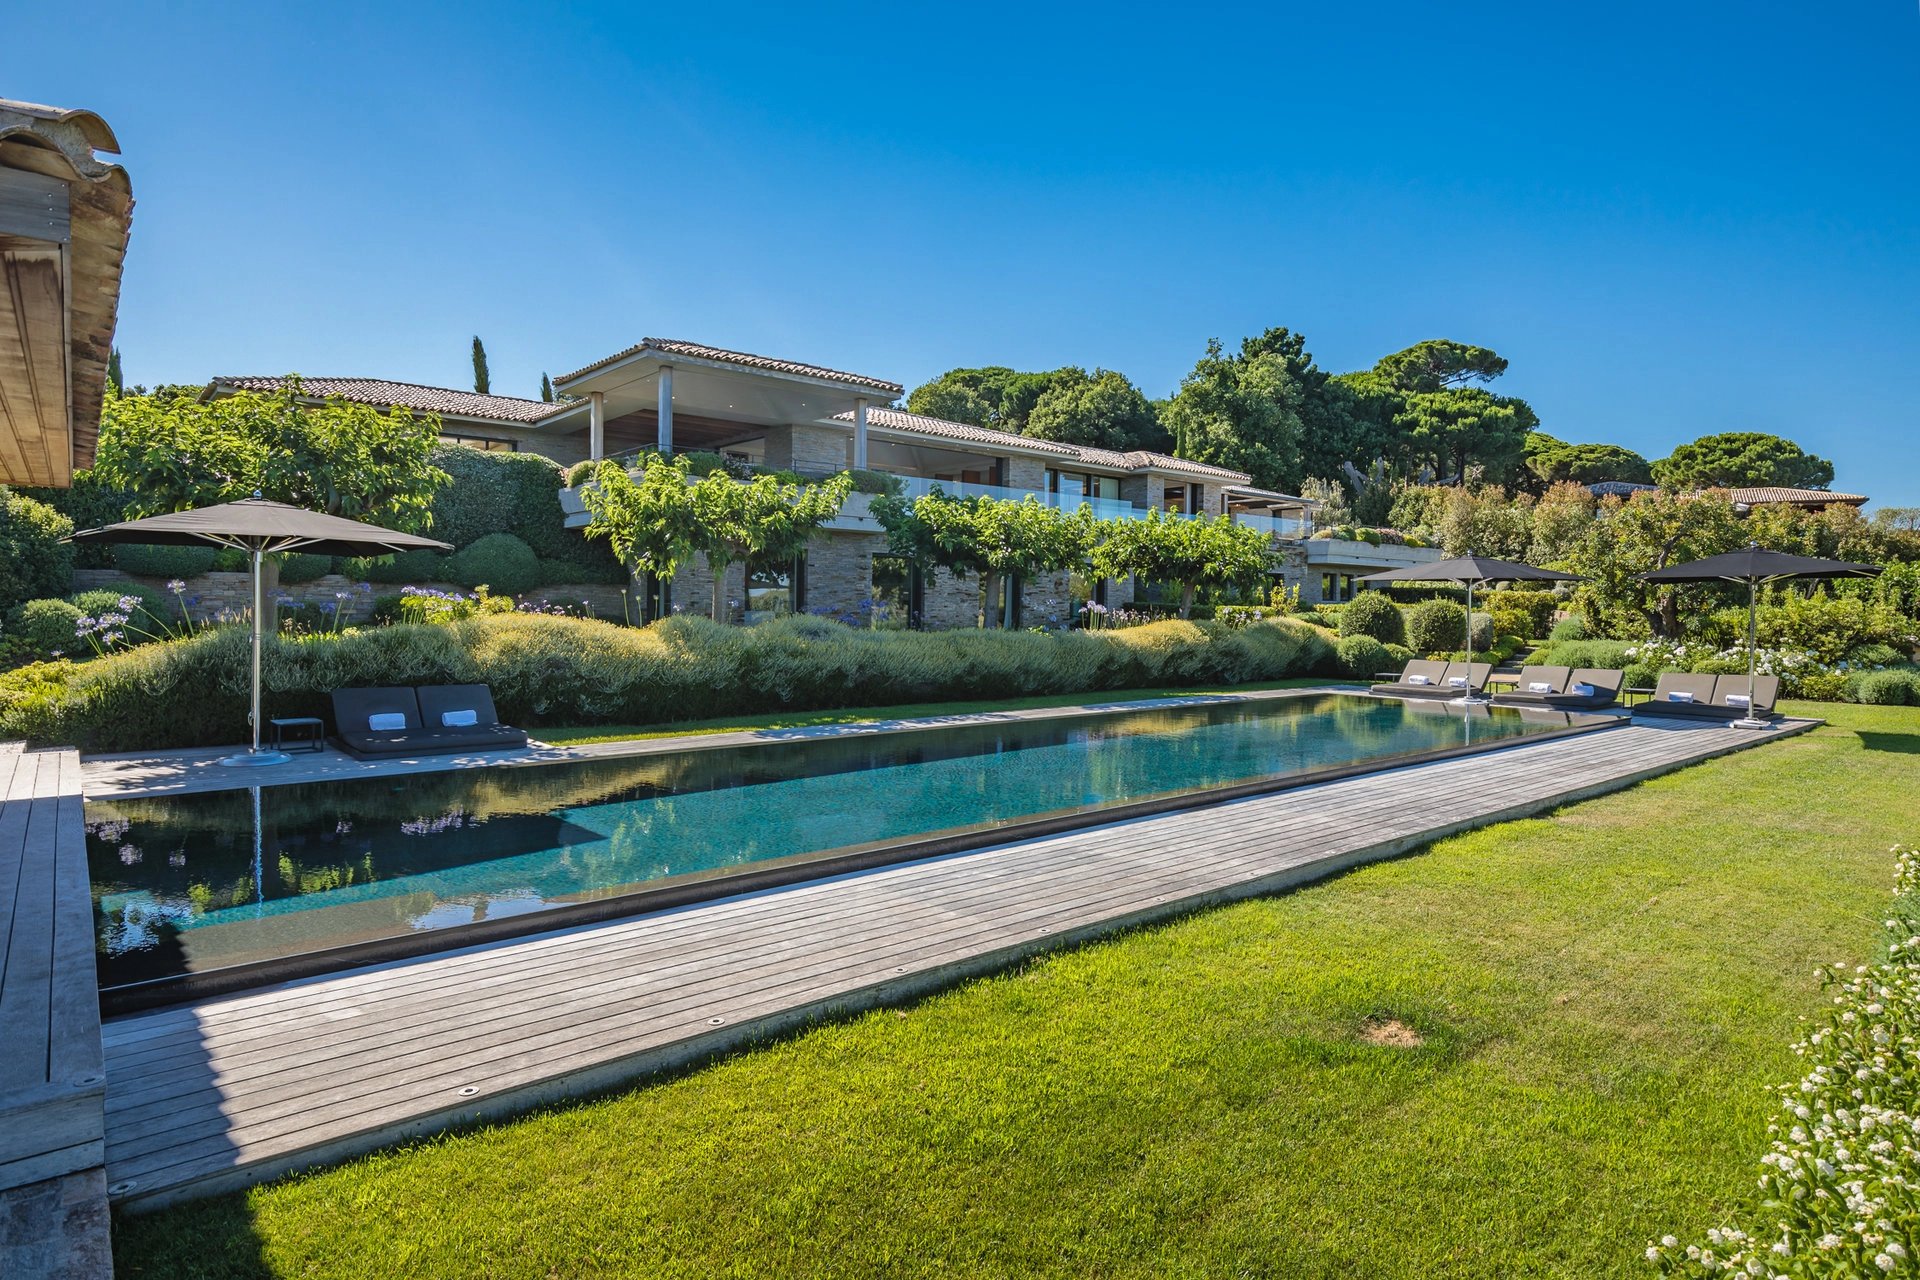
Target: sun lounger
[1421, 676]
[1698, 696]
[1453, 680]
[433, 720]
[1584, 689]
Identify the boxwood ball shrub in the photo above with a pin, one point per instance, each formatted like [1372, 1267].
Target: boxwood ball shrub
[1363, 656]
[1436, 626]
[547, 670]
[1568, 629]
[1897, 688]
[1372, 614]
[500, 561]
[44, 628]
[151, 617]
[34, 563]
[145, 561]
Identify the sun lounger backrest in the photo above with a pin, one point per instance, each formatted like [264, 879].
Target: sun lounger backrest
[1765, 690]
[1475, 672]
[437, 700]
[1555, 677]
[1606, 682]
[354, 709]
[1434, 671]
[1671, 682]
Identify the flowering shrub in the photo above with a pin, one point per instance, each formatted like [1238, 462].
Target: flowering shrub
[1841, 1180]
[427, 605]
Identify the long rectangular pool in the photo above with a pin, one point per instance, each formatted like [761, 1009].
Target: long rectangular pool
[232, 882]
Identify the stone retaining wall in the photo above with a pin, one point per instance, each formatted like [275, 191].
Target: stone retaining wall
[210, 595]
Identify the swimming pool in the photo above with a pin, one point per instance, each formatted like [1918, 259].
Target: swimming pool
[277, 880]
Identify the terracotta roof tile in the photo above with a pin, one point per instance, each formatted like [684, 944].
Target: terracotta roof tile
[700, 351]
[1809, 497]
[921, 424]
[411, 395]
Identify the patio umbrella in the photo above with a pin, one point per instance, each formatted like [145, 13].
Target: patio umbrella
[1756, 566]
[1471, 572]
[261, 528]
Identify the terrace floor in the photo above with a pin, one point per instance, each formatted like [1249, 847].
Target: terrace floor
[227, 1091]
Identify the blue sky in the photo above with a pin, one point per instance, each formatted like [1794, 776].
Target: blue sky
[1672, 219]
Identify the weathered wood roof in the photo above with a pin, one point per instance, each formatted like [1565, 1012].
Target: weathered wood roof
[64, 219]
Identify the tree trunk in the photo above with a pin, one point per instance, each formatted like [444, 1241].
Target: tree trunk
[720, 613]
[1186, 599]
[990, 607]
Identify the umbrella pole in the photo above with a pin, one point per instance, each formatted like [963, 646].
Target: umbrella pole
[253, 754]
[1750, 720]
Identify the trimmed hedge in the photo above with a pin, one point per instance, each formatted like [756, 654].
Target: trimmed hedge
[34, 563]
[547, 670]
[499, 561]
[1362, 657]
[1372, 614]
[1436, 626]
[144, 561]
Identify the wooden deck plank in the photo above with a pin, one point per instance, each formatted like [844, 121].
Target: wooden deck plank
[239, 1087]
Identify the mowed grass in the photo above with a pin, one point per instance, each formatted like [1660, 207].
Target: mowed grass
[1603, 995]
[571, 735]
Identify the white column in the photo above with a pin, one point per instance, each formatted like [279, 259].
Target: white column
[859, 435]
[665, 437]
[596, 425]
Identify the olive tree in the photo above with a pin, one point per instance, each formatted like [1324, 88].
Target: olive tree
[1197, 552]
[765, 520]
[649, 522]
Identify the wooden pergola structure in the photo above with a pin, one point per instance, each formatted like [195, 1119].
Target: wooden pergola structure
[64, 217]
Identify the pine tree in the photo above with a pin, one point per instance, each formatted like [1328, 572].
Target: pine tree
[481, 382]
[546, 388]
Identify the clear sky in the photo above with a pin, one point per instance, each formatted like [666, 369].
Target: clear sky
[1671, 218]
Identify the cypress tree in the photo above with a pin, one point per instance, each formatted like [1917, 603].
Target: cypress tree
[481, 382]
[114, 375]
[546, 388]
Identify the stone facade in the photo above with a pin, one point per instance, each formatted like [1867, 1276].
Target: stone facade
[809, 450]
[214, 595]
[1026, 472]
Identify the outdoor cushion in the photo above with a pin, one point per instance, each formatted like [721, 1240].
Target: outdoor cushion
[385, 720]
[460, 719]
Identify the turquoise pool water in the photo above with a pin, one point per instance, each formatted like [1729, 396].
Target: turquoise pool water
[191, 883]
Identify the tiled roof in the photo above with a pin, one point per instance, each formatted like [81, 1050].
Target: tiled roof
[411, 395]
[700, 351]
[1804, 497]
[1619, 488]
[921, 424]
[1144, 460]
[1247, 491]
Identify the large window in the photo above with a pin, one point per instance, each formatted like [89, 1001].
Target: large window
[487, 444]
[897, 593]
[775, 590]
[1072, 486]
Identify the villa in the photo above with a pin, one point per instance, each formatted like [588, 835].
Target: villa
[667, 395]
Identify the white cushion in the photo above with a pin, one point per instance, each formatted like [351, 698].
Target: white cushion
[1540, 686]
[459, 719]
[1739, 700]
[1583, 690]
[1677, 695]
[383, 720]
[1419, 680]
[1456, 682]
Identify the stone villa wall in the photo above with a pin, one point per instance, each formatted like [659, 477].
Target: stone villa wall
[214, 594]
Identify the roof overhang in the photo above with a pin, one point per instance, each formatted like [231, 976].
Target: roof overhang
[64, 219]
[716, 389]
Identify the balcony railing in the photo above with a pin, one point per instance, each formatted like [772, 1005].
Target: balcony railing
[1103, 508]
[1276, 526]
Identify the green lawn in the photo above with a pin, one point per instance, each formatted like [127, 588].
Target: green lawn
[1603, 995]
[575, 736]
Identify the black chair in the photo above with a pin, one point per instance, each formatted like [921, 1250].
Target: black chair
[396, 721]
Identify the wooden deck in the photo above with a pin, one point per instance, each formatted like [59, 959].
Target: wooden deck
[228, 1091]
[52, 1078]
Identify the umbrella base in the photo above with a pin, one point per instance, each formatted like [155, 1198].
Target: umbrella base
[250, 758]
[1748, 722]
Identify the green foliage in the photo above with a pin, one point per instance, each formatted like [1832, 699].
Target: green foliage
[1536, 607]
[1101, 409]
[298, 566]
[152, 613]
[144, 561]
[875, 482]
[1372, 614]
[766, 520]
[1568, 629]
[1465, 432]
[547, 670]
[443, 608]
[650, 524]
[1898, 687]
[34, 562]
[348, 460]
[408, 566]
[986, 536]
[45, 628]
[1439, 364]
[1741, 459]
[546, 388]
[994, 396]
[90, 503]
[499, 561]
[1362, 656]
[1435, 626]
[1243, 412]
[1198, 552]
[1650, 531]
[482, 379]
[581, 472]
[1550, 461]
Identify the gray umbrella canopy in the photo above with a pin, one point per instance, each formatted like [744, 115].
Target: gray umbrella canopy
[1471, 572]
[1756, 566]
[261, 528]
[255, 523]
[1474, 570]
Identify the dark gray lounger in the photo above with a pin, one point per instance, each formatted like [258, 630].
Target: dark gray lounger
[1712, 696]
[354, 712]
[1433, 670]
[1604, 683]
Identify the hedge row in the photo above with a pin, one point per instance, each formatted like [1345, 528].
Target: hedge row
[564, 671]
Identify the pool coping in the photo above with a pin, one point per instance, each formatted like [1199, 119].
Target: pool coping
[695, 888]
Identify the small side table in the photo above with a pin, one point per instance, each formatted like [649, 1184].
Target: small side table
[1644, 692]
[310, 730]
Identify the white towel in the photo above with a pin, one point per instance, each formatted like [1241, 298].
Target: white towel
[387, 720]
[1419, 680]
[1540, 686]
[1675, 695]
[1456, 682]
[459, 719]
[1583, 690]
[1739, 700]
